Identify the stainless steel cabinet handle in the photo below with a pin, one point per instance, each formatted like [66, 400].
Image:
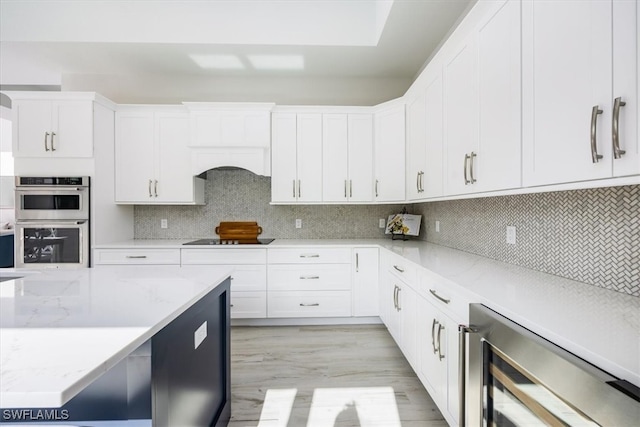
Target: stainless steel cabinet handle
[53, 148]
[315, 304]
[309, 277]
[46, 147]
[294, 188]
[299, 191]
[150, 183]
[357, 262]
[594, 119]
[345, 188]
[155, 187]
[444, 300]
[466, 162]
[473, 179]
[395, 297]
[398, 268]
[422, 182]
[418, 182]
[433, 335]
[350, 188]
[440, 355]
[462, 372]
[377, 188]
[398, 299]
[615, 128]
[136, 256]
[309, 256]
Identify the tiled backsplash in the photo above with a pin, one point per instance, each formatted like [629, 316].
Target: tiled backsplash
[588, 235]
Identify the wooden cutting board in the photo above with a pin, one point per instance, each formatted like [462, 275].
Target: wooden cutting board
[242, 231]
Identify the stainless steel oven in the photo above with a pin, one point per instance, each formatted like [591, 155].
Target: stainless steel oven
[517, 378]
[49, 198]
[52, 222]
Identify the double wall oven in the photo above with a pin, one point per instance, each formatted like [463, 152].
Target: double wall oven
[52, 222]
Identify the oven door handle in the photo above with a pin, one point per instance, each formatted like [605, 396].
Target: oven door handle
[52, 222]
[463, 330]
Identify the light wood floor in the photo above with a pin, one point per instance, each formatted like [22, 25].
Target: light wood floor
[319, 376]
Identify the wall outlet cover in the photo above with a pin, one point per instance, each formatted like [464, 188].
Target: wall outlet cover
[511, 235]
[163, 223]
[298, 223]
[437, 226]
[382, 223]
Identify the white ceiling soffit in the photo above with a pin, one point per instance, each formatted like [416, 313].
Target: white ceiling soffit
[230, 22]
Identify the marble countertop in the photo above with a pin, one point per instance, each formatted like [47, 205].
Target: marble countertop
[599, 325]
[61, 329]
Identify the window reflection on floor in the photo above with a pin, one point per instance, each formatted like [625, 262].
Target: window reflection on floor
[355, 406]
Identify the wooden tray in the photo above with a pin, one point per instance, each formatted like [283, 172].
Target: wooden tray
[242, 231]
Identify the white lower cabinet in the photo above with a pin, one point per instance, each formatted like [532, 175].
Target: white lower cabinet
[126, 256]
[248, 279]
[365, 282]
[309, 282]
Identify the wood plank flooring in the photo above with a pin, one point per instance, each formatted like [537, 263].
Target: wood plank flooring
[319, 376]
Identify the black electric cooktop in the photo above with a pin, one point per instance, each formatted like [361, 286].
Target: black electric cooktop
[228, 242]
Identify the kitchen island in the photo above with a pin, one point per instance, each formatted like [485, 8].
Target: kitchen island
[117, 340]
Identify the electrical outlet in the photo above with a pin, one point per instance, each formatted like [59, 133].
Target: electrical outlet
[298, 223]
[511, 235]
[382, 223]
[437, 226]
[163, 223]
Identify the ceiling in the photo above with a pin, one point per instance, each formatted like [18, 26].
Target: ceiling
[339, 52]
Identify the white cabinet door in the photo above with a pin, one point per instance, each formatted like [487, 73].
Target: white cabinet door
[134, 156]
[432, 370]
[309, 157]
[45, 128]
[432, 177]
[407, 307]
[173, 163]
[389, 154]
[497, 165]
[335, 160]
[283, 157]
[220, 127]
[416, 144]
[360, 157]
[460, 117]
[365, 282]
[566, 79]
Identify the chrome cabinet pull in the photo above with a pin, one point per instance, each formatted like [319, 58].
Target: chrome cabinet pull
[46, 147]
[155, 188]
[345, 188]
[473, 179]
[315, 304]
[377, 188]
[444, 300]
[357, 263]
[440, 355]
[309, 256]
[309, 277]
[52, 146]
[463, 330]
[150, 194]
[294, 188]
[422, 181]
[299, 189]
[433, 335]
[398, 298]
[136, 256]
[615, 137]
[466, 162]
[350, 188]
[395, 297]
[398, 268]
[594, 149]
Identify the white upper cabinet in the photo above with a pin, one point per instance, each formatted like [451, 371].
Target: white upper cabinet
[578, 59]
[347, 147]
[296, 157]
[416, 143]
[153, 163]
[432, 178]
[52, 128]
[389, 153]
[229, 124]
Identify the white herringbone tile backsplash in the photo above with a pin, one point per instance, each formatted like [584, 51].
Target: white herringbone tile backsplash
[588, 235]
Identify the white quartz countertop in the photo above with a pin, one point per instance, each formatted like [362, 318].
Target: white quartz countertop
[61, 329]
[599, 325]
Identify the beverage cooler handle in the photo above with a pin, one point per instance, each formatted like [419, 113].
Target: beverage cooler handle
[463, 330]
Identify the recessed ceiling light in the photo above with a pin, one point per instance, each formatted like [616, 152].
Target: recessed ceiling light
[218, 62]
[277, 62]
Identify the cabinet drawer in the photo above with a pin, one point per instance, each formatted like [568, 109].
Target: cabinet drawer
[309, 304]
[249, 278]
[402, 269]
[137, 256]
[330, 277]
[445, 295]
[226, 256]
[248, 305]
[310, 255]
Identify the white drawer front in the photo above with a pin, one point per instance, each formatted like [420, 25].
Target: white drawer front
[331, 277]
[136, 256]
[224, 256]
[309, 304]
[402, 269]
[249, 278]
[310, 255]
[441, 293]
[248, 305]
